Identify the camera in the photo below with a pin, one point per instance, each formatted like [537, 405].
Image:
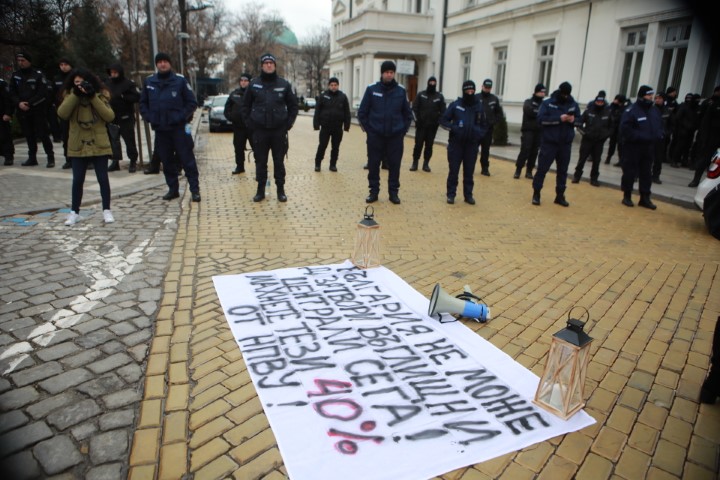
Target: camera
[85, 85]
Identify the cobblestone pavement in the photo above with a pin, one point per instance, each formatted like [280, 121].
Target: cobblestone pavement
[76, 320]
[649, 280]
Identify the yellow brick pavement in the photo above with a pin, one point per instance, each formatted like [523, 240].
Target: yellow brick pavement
[649, 280]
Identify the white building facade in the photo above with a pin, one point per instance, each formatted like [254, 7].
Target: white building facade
[611, 45]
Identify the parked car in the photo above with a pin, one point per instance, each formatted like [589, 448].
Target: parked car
[207, 103]
[217, 116]
[712, 178]
[310, 102]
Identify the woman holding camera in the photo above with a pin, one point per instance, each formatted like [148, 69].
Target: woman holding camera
[86, 108]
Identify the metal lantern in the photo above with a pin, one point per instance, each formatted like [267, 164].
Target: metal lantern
[367, 241]
[562, 386]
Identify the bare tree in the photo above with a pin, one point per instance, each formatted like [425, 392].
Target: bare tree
[209, 33]
[315, 53]
[258, 33]
[62, 9]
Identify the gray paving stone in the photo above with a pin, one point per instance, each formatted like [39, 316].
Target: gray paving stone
[131, 372]
[11, 420]
[150, 295]
[14, 297]
[93, 339]
[53, 338]
[71, 319]
[22, 437]
[144, 322]
[117, 419]
[148, 308]
[57, 454]
[110, 363]
[18, 397]
[35, 374]
[40, 299]
[4, 385]
[49, 287]
[82, 358]
[47, 405]
[137, 337]
[101, 386]
[119, 298]
[90, 325]
[62, 382]
[110, 471]
[73, 414]
[13, 307]
[34, 330]
[16, 323]
[113, 346]
[71, 289]
[16, 363]
[57, 351]
[123, 328]
[99, 294]
[6, 339]
[84, 431]
[21, 466]
[124, 314]
[108, 446]
[37, 309]
[121, 398]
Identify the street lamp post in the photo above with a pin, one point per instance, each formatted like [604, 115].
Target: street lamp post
[182, 36]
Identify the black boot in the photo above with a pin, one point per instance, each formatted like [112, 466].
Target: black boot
[518, 171]
[133, 166]
[333, 167]
[317, 165]
[696, 180]
[114, 166]
[528, 173]
[710, 390]
[414, 166]
[281, 194]
[426, 166]
[154, 167]
[627, 199]
[560, 198]
[536, 197]
[646, 202]
[260, 195]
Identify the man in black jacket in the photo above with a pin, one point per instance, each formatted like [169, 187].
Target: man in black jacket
[596, 125]
[124, 96]
[708, 137]
[685, 123]
[233, 112]
[617, 107]
[29, 94]
[332, 116]
[493, 114]
[269, 109]
[530, 133]
[428, 107]
[7, 148]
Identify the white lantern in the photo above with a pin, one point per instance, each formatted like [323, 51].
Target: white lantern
[367, 241]
[562, 386]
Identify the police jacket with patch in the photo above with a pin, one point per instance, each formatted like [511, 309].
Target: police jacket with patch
[596, 123]
[466, 123]
[554, 130]
[385, 110]
[123, 95]
[428, 108]
[687, 118]
[332, 110]
[28, 85]
[233, 107]
[492, 108]
[269, 103]
[167, 101]
[641, 124]
[530, 113]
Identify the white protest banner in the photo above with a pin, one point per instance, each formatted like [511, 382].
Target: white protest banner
[358, 382]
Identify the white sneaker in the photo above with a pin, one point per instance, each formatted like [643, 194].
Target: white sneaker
[72, 218]
[108, 216]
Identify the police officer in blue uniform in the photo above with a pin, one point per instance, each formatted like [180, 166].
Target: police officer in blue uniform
[269, 109]
[640, 129]
[557, 117]
[465, 120]
[385, 116]
[168, 103]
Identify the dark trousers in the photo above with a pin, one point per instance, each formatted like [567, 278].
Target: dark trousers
[680, 154]
[241, 136]
[54, 123]
[34, 127]
[637, 163]
[7, 148]
[389, 149]
[485, 149]
[613, 144]
[176, 140]
[264, 142]
[592, 149]
[464, 154]
[333, 135]
[529, 147]
[65, 132]
[424, 137]
[549, 153]
[660, 157]
[79, 168]
[127, 133]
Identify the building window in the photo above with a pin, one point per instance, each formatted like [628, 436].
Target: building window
[674, 46]
[632, 51]
[465, 62]
[500, 66]
[546, 52]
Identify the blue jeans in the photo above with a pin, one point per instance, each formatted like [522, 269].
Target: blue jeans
[79, 168]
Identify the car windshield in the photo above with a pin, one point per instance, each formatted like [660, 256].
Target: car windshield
[219, 100]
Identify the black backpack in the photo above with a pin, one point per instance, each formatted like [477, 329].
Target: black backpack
[711, 211]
